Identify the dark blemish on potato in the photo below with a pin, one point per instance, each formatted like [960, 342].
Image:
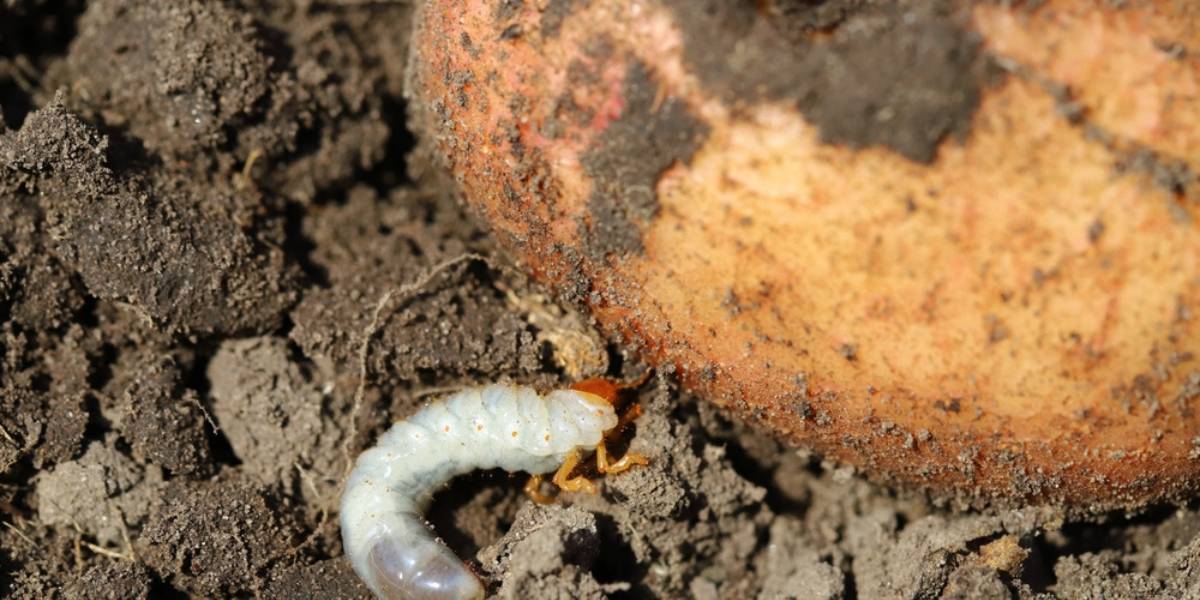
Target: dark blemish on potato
[997, 330]
[1190, 390]
[901, 78]
[566, 110]
[555, 13]
[797, 19]
[1174, 50]
[1174, 175]
[626, 160]
[732, 303]
[1095, 231]
[511, 32]
[461, 80]
[952, 406]
[506, 10]
[468, 45]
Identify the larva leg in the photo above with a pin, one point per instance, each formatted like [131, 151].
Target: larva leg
[629, 460]
[533, 489]
[563, 479]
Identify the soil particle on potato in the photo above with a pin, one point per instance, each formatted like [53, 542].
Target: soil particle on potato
[1176, 175]
[627, 159]
[901, 77]
[555, 13]
[798, 18]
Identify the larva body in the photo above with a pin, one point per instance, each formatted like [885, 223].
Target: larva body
[505, 426]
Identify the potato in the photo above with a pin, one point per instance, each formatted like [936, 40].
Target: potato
[953, 245]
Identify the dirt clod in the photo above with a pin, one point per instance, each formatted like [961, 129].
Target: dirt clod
[101, 495]
[112, 581]
[549, 553]
[217, 538]
[170, 248]
[326, 580]
[163, 421]
[274, 417]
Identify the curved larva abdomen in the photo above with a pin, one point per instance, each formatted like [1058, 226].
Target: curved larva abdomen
[505, 426]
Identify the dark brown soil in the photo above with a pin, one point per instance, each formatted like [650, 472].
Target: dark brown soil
[902, 78]
[213, 223]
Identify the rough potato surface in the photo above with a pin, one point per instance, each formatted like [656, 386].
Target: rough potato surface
[953, 245]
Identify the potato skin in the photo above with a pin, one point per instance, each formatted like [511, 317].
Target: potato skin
[1006, 315]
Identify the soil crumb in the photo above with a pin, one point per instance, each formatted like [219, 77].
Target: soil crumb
[224, 271]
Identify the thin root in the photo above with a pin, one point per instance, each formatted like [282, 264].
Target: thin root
[245, 178]
[20, 534]
[130, 553]
[11, 440]
[312, 537]
[102, 551]
[404, 291]
[203, 411]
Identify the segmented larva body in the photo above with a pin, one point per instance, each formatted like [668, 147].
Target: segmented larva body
[506, 426]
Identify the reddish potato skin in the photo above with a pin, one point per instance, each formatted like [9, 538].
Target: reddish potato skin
[1006, 320]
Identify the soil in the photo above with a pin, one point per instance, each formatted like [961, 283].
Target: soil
[894, 76]
[629, 157]
[226, 266]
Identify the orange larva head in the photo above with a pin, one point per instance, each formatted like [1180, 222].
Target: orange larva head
[601, 387]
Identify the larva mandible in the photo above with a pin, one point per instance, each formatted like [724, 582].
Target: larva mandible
[502, 426]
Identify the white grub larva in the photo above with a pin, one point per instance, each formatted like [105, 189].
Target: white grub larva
[496, 426]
